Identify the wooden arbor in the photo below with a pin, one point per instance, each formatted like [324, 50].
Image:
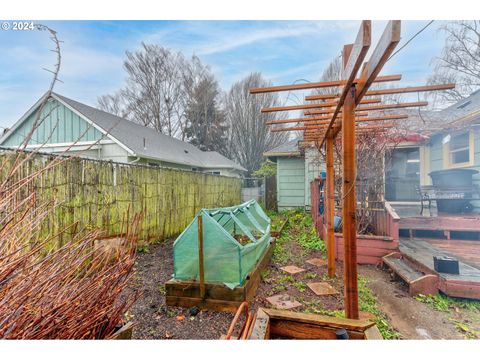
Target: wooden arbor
[347, 111]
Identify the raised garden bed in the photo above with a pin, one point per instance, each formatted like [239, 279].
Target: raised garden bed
[217, 296]
[283, 324]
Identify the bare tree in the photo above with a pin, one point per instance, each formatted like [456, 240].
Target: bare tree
[206, 124]
[249, 137]
[114, 104]
[459, 61]
[154, 89]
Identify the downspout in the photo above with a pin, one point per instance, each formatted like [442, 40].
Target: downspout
[136, 160]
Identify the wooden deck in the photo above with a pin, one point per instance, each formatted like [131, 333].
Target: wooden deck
[467, 283]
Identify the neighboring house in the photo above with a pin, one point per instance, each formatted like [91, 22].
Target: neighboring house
[75, 128]
[296, 168]
[442, 140]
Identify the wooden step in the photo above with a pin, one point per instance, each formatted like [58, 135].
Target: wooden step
[402, 269]
[417, 281]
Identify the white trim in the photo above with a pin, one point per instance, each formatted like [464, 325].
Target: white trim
[99, 128]
[79, 143]
[68, 149]
[22, 119]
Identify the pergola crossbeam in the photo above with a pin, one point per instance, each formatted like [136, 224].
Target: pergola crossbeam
[402, 90]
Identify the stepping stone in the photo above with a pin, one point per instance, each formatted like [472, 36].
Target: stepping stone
[322, 288]
[292, 269]
[365, 315]
[283, 302]
[317, 262]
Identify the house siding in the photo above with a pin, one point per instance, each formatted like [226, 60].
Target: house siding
[60, 125]
[437, 163]
[290, 182]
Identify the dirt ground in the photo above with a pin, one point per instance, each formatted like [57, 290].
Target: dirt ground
[152, 318]
[407, 317]
[411, 318]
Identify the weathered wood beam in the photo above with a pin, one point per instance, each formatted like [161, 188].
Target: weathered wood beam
[319, 134]
[314, 106]
[330, 206]
[402, 90]
[352, 60]
[373, 107]
[313, 130]
[361, 119]
[315, 85]
[349, 205]
[306, 119]
[385, 46]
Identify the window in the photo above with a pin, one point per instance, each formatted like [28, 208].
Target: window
[402, 174]
[459, 150]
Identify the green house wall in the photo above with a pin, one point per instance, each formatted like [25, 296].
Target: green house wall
[60, 125]
[290, 182]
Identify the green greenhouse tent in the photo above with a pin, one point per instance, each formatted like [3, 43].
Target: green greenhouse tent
[234, 239]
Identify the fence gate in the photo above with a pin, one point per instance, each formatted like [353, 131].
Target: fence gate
[271, 193]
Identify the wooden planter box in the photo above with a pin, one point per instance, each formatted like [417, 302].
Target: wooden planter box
[283, 324]
[277, 233]
[217, 296]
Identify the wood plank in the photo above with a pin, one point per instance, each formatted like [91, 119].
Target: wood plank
[261, 326]
[212, 291]
[385, 46]
[360, 120]
[349, 204]
[330, 207]
[311, 118]
[320, 320]
[358, 52]
[304, 331]
[353, 56]
[316, 85]
[314, 106]
[401, 90]
[372, 333]
[373, 107]
[217, 305]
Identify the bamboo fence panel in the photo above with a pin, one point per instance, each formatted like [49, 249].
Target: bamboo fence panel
[99, 194]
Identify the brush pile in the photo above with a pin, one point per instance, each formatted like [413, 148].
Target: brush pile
[50, 290]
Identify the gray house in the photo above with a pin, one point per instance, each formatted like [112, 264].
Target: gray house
[296, 168]
[75, 128]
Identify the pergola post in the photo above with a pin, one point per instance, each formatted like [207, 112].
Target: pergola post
[330, 207]
[349, 205]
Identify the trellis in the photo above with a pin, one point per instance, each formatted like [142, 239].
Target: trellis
[347, 111]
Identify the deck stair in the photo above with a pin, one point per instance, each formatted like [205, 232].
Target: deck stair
[418, 279]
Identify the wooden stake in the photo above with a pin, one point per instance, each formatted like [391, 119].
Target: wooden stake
[200, 257]
[349, 205]
[330, 207]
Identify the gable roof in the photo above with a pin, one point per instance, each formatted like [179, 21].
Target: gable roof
[289, 148]
[146, 142]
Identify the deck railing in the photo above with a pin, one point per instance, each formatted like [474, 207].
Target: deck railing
[382, 218]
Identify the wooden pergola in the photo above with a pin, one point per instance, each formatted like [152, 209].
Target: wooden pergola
[347, 111]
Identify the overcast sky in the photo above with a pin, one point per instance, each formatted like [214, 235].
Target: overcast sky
[284, 51]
